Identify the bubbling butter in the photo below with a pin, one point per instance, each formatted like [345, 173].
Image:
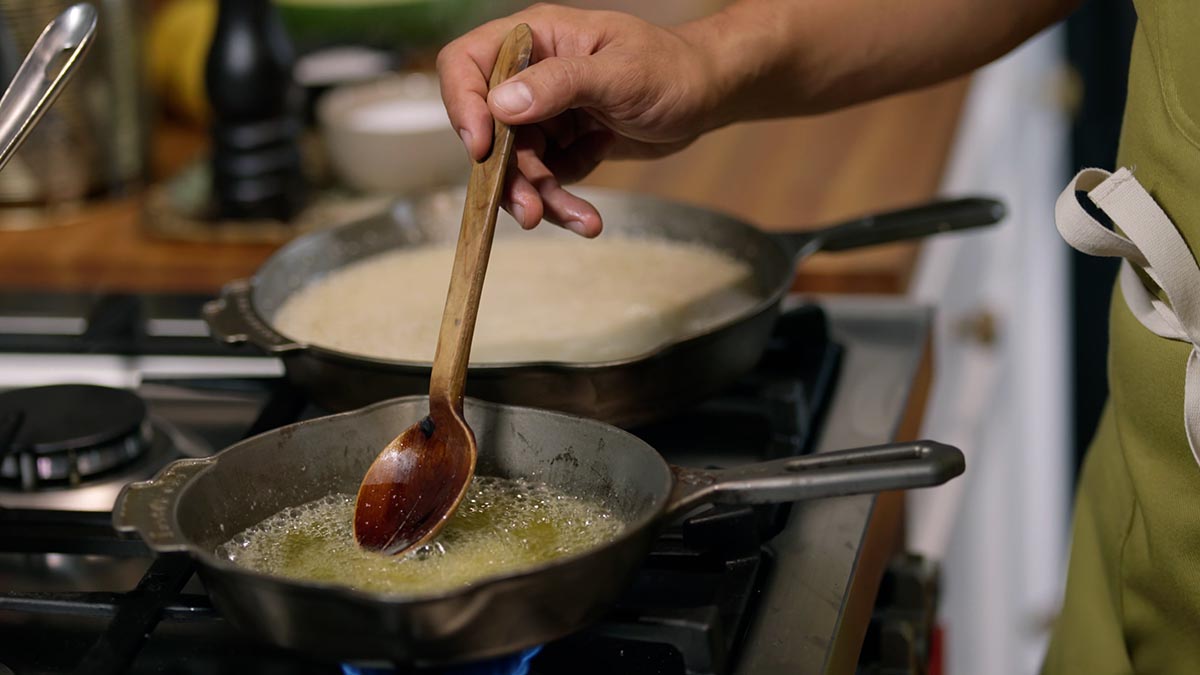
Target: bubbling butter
[502, 525]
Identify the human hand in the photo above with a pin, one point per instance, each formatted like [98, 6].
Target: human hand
[601, 85]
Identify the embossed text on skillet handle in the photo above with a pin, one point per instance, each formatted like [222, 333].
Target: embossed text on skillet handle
[147, 508]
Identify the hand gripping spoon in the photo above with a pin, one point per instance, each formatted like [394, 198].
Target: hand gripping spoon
[418, 480]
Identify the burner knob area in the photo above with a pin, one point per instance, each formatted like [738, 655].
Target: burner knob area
[900, 637]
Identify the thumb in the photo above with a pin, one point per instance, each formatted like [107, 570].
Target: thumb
[550, 87]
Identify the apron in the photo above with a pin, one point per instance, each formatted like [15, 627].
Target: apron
[1132, 601]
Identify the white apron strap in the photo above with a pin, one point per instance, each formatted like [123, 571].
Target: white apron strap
[1151, 245]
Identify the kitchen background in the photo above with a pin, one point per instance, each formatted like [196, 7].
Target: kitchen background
[110, 195]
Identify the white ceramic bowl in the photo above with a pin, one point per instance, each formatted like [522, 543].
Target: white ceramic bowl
[391, 135]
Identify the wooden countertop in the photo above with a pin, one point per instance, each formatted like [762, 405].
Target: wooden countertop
[779, 175]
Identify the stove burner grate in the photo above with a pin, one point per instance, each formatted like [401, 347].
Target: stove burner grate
[688, 609]
[64, 435]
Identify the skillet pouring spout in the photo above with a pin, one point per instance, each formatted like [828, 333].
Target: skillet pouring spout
[898, 466]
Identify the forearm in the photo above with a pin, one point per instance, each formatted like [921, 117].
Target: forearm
[774, 58]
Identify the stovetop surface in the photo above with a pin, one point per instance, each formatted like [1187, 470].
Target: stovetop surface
[687, 611]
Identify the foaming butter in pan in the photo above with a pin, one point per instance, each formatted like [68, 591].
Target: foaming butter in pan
[503, 525]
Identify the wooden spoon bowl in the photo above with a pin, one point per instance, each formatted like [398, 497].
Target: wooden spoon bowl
[417, 481]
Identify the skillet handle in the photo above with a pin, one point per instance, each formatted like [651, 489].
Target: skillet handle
[233, 320]
[899, 466]
[918, 221]
[147, 508]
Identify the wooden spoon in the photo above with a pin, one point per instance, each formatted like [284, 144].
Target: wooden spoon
[418, 480]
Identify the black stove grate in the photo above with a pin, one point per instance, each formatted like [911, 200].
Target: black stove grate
[686, 612]
[39, 322]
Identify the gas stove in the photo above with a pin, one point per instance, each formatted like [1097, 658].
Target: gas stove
[121, 385]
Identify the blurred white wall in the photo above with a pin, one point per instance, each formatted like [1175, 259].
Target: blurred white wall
[1001, 382]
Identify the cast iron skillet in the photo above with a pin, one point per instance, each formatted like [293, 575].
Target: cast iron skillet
[626, 392]
[194, 505]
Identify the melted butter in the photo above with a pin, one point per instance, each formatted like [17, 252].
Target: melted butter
[502, 526]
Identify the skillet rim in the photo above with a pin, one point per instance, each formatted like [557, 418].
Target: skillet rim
[650, 519]
[497, 368]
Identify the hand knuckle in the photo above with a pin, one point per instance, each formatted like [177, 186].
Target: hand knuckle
[566, 75]
[445, 55]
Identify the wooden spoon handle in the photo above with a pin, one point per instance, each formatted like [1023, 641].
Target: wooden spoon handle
[475, 240]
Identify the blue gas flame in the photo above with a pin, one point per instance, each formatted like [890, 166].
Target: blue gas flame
[514, 664]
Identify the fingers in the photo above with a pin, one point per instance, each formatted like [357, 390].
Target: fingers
[532, 200]
[533, 191]
[558, 206]
[464, 93]
[465, 65]
[570, 211]
[552, 86]
[522, 200]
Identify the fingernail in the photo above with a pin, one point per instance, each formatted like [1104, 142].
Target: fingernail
[466, 139]
[513, 98]
[518, 212]
[577, 227]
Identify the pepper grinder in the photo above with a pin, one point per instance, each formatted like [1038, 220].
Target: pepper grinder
[256, 164]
